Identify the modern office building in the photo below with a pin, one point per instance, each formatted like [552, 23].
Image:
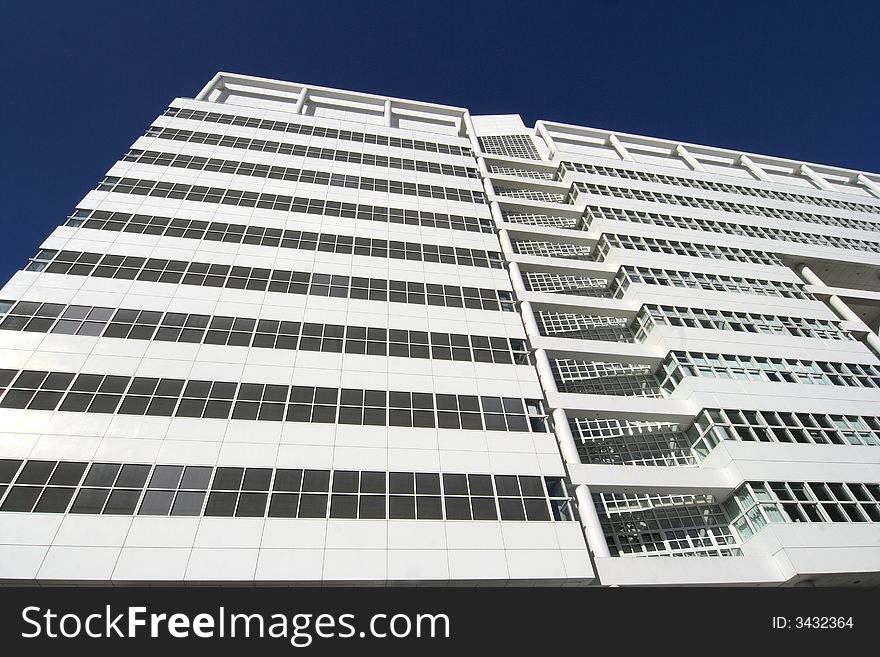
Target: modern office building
[305, 335]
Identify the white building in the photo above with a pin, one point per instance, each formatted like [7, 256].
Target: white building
[304, 335]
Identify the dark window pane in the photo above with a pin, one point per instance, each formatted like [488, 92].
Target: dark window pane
[507, 485]
[555, 487]
[402, 507]
[159, 406]
[156, 503]
[536, 509]
[218, 410]
[484, 508]
[196, 477]
[343, 506]
[288, 480]
[480, 484]
[313, 506]
[458, 508]
[228, 479]
[429, 508]
[21, 498]
[511, 508]
[188, 503]
[133, 476]
[257, 479]
[316, 481]
[166, 476]
[495, 422]
[455, 484]
[401, 482]
[372, 506]
[122, 502]
[531, 486]
[221, 504]
[89, 500]
[68, 473]
[101, 474]
[8, 468]
[252, 505]
[54, 500]
[283, 505]
[345, 482]
[427, 482]
[35, 472]
[372, 482]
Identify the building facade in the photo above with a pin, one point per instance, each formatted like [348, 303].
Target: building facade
[305, 335]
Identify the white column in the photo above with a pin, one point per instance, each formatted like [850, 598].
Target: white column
[548, 381]
[528, 318]
[387, 113]
[516, 277]
[545, 135]
[691, 161]
[618, 146]
[586, 508]
[215, 83]
[867, 182]
[756, 171]
[506, 244]
[821, 183]
[471, 131]
[301, 100]
[841, 309]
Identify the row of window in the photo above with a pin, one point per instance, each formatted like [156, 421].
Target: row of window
[611, 441]
[644, 525]
[530, 194]
[520, 146]
[36, 317]
[314, 152]
[532, 219]
[600, 378]
[78, 487]
[628, 275]
[284, 203]
[679, 364]
[712, 426]
[214, 231]
[585, 286]
[757, 503]
[608, 241]
[583, 327]
[291, 174]
[316, 131]
[727, 320]
[679, 181]
[728, 228]
[520, 173]
[99, 393]
[76, 263]
[724, 206]
[553, 249]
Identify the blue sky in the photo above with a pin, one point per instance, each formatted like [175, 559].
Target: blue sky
[82, 80]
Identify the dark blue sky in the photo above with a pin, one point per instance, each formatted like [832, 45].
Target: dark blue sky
[81, 80]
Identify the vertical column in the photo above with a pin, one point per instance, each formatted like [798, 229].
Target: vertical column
[754, 169]
[301, 101]
[586, 507]
[840, 308]
[387, 113]
[870, 184]
[548, 139]
[821, 183]
[689, 159]
[618, 146]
